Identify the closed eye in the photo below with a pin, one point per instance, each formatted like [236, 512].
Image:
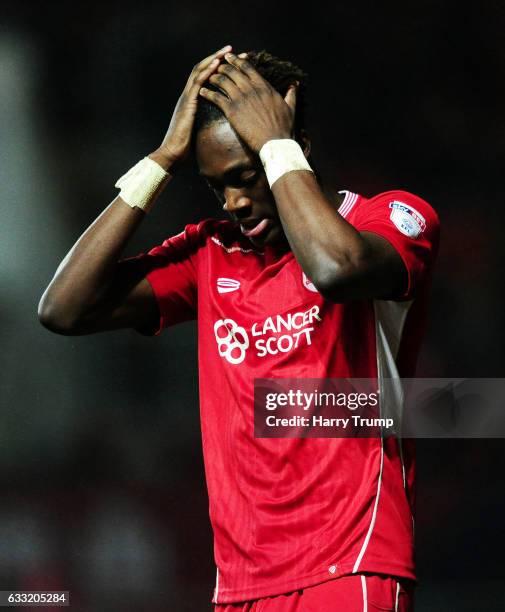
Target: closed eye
[249, 180]
[243, 180]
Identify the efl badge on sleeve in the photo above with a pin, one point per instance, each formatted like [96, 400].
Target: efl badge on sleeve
[407, 219]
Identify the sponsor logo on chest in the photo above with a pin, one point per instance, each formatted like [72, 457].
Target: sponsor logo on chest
[274, 335]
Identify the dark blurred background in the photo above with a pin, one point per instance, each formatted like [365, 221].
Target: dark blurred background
[101, 473]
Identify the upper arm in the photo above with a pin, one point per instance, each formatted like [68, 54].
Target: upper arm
[150, 290]
[408, 225]
[385, 271]
[399, 233]
[128, 303]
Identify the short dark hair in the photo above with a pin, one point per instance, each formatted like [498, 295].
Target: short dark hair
[279, 73]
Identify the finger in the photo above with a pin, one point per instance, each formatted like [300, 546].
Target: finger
[226, 85]
[235, 75]
[244, 66]
[218, 54]
[242, 55]
[204, 74]
[220, 100]
[290, 97]
[205, 68]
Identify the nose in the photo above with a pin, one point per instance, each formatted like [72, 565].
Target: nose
[236, 202]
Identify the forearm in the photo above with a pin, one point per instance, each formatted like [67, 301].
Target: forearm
[329, 249]
[343, 263]
[87, 271]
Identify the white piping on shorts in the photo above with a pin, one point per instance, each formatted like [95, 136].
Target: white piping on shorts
[365, 597]
[216, 590]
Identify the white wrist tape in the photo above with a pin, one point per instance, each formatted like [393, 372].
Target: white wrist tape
[281, 156]
[142, 183]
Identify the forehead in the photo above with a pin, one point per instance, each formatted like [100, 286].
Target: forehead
[218, 150]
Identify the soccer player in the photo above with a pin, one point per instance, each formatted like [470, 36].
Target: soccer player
[294, 285]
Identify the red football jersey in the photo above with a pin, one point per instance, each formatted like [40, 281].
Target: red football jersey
[291, 513]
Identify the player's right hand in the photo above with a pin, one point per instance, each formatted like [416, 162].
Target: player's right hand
[176, 144]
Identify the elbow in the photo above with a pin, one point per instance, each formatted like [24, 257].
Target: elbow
[53, 318]
[341, 281]
[339, 287]
[332, 284]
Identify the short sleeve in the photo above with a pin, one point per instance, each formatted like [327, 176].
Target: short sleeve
[171, 270]
[410, 225]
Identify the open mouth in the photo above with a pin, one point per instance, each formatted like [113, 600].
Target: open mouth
[256, 230]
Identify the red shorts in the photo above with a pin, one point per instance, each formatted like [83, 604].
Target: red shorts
[356, 593]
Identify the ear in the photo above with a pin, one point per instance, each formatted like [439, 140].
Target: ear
[304, 142]
[290, 97]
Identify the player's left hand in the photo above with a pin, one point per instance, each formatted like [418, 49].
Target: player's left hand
[255, 110]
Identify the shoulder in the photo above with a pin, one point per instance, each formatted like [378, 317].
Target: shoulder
[397, 211]
[399, 200]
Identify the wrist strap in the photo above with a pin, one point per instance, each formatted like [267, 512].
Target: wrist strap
[281, 156]
[142, 184]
